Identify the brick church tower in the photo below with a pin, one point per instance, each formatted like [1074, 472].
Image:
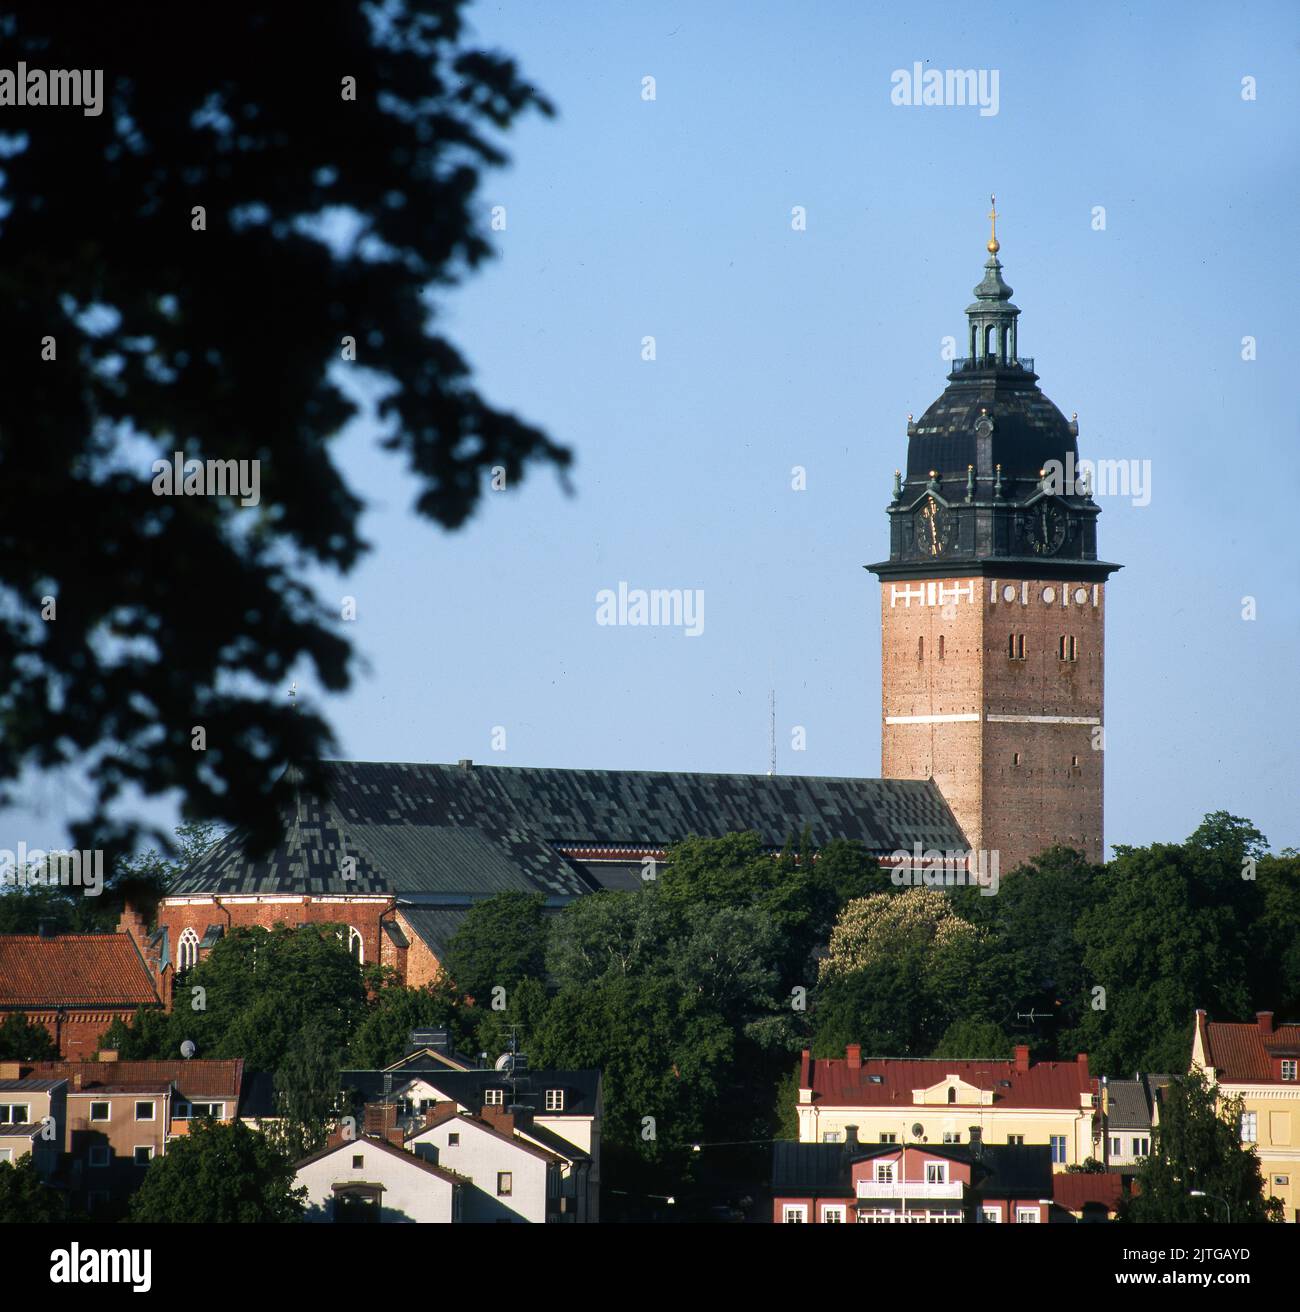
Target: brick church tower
[993, 604]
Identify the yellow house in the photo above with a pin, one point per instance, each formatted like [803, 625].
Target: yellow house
[937, 1100]
[1259, 1063]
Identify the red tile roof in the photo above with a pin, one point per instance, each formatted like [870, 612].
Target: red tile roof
[196, 1079]
[1245, 1053]
[73, 970]
[1045, 1084]
[1072, 1190]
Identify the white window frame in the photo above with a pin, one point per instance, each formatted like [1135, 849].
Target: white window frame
[794, 1213]
[1116, 1146]
[187, 950]
[952, 1136]
[884, 1172]
[554, 1100]
[494, 1097]
[936, 1172]
[1290, 1068]
[6, 1154]
[1141, 1146]
[355, 936]
[1028, 1216]
[153, 1109]
[7, 1110]
[992, 1215]
[1249, 1127]
[505, 1184]
[141, 1148]
[99, 1120]
[830, 1136]
[887, 1137]
[1064, 1141]
[835, 1214]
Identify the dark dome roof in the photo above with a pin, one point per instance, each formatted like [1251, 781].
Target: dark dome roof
[1028, 430]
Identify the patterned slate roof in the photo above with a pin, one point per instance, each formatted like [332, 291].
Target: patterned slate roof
[73, 970]
[1128, 1106]
[451, 829]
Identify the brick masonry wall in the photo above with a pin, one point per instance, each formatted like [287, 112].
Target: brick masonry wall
[944, 652]
[79, 1031]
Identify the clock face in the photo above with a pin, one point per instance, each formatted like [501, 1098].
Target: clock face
[1045, 529]
[936, 528]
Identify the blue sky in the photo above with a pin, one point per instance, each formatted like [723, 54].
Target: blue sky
[776, 348]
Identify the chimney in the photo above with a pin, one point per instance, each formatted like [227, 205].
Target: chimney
[976, 1141]
[1022, 1057]
[853, 1052]
[850, 1136]
[1082, 1059]
[499, 1119]
[465, 763]
[1264, 1019]
[11, 1070]
[379, 1120]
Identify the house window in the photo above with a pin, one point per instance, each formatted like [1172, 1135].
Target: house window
[1068, 648]
[1116, 1148]
[187, 950]
[100, 1111]
[992, 1215]
[1058, 1148]
[830, 1136]
[884, 1173]
[198, 1110]
[1027, 1216]
[952, 1095]
[494, 1097]
[143, 1154]
[453, 1139]
[15, 1113]
[99, 1155]
[505, 1183]
[1016, 1140]
[888, 1138]
[1015, 758]
[936, 1172]
[834, 1214]
[1289, 1068]
[952, 1136]
[356, 1204]
[1249, 1127]
[356, 945]
[554, 1100]
[6, 1154]
[144, 1111]
[794, 1214]
[1141, 1147]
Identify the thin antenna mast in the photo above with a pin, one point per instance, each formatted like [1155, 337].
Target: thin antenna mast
[771, 731]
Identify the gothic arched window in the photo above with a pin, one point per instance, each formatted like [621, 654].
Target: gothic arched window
[187, 950]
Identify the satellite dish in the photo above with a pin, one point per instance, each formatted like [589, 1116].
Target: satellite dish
[918, 1130]
[188, 1049]
[503, 1062]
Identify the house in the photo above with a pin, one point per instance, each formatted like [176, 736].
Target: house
[122, 1114]
[510, 1176]
[1088, 1196]
[1131, 1110]
[556, 1111]
[935, 1100]
[33, 1111]
[368, 1179]
[76, 985]
[850, 1182]
[1259, 1063]
[397, 853]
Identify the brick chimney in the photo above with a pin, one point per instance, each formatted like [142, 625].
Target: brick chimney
[499, 1119]
[1022, 1057]
[1264, 1019]
[379, 1120]
[132, 922]
[853, 1052]
[850, 1136]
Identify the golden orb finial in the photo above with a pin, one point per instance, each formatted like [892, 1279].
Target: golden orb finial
[994, 247]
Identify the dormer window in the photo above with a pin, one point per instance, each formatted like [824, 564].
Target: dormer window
[1288, 1068]
[554, 1100]
[494, 1097]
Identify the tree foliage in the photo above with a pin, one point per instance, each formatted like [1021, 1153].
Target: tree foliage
[217, 1174]
[25, 1199]
[238, 255]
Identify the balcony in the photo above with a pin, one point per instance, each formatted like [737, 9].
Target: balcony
[910, 1189]
[964, 362]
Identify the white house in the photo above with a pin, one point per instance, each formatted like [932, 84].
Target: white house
[368, 1179]
[510, 1178]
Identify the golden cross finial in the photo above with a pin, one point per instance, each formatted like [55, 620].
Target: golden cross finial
[993, 219]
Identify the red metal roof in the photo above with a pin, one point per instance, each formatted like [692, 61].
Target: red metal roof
[73, 970]
[1045, 1084]
[195, 1079]
[1245, 1053]
[1072, 1190]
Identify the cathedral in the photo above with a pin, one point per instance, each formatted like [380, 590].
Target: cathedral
[992, 617]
